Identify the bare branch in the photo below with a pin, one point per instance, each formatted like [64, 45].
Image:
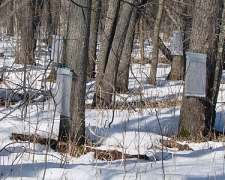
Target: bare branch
[14, 11]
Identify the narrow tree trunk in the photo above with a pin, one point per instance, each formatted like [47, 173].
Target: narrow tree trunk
[10, 23]
[142, 40]
[50, 22]
[47, 25]
[124, 66]
[72, 129]
[162, 47]
[95, 15]
[154, 61]
[17, 35]
[46, 21]
[197, 115]
[55, 13]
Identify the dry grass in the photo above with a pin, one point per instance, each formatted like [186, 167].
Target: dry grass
[144, 104]
[163, 60]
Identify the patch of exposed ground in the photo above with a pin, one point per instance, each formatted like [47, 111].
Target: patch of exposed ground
[76, 151]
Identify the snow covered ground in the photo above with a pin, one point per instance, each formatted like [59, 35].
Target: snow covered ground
[133, 132]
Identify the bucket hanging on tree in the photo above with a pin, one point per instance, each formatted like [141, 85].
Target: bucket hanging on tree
[63, 90]
[177, 46]
[57, 47]
[195, 79]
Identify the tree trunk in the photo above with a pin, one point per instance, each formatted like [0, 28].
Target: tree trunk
[95, 15]
[108, 83]
[48, 27]
[142, 40]
[155, 41]
[16, 34]
[55, 13]
[124, 66]
[10, 24]
[177, 68]
[46, 21]
[162, 47]
[27, 27]
[72, 129]
[106, 43]
[50, 21]
[183, 24]
[107, 36]
[198, 114]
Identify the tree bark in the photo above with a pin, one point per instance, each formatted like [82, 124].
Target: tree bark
[50, 20]
[142, 40]
[177, 68]
[55, 13]
[183, 24]
[198, 114]
[108, 82]
[108, 35]
[46, 21]
[72, 129]
[27, 27]
[106, 43]
[95, 17]
[124, 66]
[162, 47]
[155, 51]
[10, 22]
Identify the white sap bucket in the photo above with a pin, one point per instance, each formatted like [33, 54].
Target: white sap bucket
[195, 79]
[63, 90]
[177, 46]
[57, 47]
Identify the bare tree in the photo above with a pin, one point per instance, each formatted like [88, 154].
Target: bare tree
[95, 17]
[181, 16]
[142, 39]
[10, 22]
[198, 114]
[124, 66]
[106, 41]
[72, 129]
[27, 27]
[107, 35]
[46, 21]
[107, 85]
[155, 51]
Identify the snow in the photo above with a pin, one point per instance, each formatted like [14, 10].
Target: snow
[133, 131]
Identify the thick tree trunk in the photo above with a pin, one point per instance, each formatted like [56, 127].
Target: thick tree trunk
[124, 66]
[103, 97]
[155, 41]
[106, 43]
[107, 36]
[198, 114]
[72, 129]
[95, 17]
